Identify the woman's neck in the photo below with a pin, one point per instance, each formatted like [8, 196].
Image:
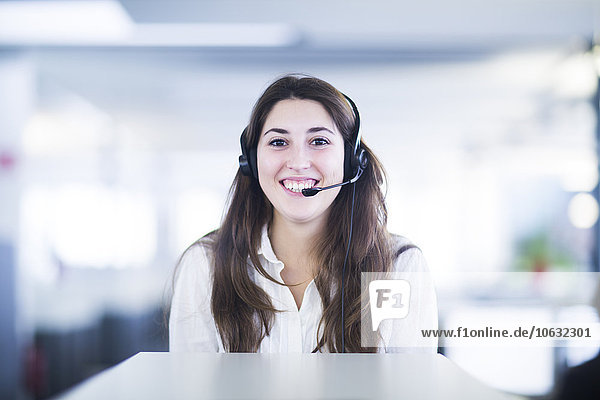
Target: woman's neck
[292, 242]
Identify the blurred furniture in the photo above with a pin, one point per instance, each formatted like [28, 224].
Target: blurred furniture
[581, 382]
[91, 320]
[284, 376]
[70, 353]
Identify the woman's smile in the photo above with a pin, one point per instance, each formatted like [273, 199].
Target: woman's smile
[295, 185]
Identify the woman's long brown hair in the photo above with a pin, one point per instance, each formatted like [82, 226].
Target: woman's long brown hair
[242, 311]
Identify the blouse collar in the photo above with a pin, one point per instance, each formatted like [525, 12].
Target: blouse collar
[267, 250]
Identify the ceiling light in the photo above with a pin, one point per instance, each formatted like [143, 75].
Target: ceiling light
[106, 23]
[62, 22]
[214, 35]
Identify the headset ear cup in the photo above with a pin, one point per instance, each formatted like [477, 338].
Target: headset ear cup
[245, 160]
[244, 167]
[253, 166]
[362, 159]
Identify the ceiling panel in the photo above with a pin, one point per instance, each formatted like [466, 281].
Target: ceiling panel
[384, 23]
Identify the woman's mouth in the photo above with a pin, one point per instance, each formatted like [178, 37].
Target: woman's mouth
[296, 186]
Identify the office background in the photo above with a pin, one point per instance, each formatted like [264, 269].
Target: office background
[119, 137]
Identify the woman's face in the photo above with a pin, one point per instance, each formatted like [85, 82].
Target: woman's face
[300, 147]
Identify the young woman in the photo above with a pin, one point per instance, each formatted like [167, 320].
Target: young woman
[283, 272]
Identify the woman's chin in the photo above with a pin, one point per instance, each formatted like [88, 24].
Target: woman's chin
[302, 217]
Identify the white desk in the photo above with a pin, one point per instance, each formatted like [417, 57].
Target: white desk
[284, 376]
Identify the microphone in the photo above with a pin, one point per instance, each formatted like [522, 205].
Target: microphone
[309, 192]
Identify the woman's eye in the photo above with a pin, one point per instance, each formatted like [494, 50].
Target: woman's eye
[320, 141]
[277, 142]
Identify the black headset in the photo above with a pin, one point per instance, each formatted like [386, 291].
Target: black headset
[355, 157]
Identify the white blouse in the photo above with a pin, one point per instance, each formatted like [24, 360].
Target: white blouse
[193, 329]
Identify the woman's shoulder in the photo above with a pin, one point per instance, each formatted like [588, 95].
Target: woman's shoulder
[401, 244]
[196, 258]
[408, 257]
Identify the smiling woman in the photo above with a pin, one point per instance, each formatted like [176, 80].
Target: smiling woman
[283, 272]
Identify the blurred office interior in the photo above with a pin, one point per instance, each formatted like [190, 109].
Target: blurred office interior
[119, 138]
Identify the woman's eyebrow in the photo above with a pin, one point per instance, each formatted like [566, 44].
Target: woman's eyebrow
[311, 130]
[276, 130]
[320, 128]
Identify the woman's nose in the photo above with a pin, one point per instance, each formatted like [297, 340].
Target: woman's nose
[299, 158]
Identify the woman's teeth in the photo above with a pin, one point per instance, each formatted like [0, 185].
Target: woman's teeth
[297, 186]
